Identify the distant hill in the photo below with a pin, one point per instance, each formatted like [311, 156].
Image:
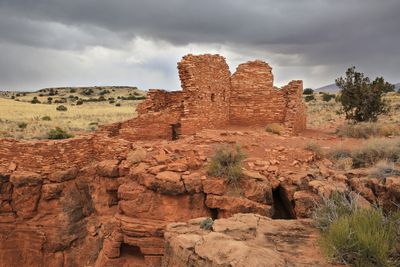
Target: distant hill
[332, 88]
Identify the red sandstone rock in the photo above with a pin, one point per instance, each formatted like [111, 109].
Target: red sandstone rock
[214, 186]
[61, 176]
[108, 168]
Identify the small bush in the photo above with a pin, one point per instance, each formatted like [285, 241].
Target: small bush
[314, 147]
[118, 104]
[35, 100]
[275, 128]
[207, 224]
[309, 98]
[226, 162]
[58, 133]
[22, 125]
[356, 236]
[327, 97]
[308, 91]
[366, 130]
[46, 118]
[79, 102]
[337, 205]
[61, 108]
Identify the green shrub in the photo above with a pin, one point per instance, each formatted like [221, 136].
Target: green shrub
[362, 100]
[118, 104]
[35, 100]
[226, 162]
[22, 125]
[275, 128]
[363, 238]
[357, 236]
[79, 102]
[207, 224]
[46, 118]
[368, 129]
[58, 133]
[61, 108]
[309, 98]
[327, 97]
[308, 91]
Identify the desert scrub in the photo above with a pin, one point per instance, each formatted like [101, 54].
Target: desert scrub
[61, 108]
[226, 162]
[314, 147]
[275, 128]
[384, 169]
[370, 152]
[58, 133]
[207, 224]
[368, 129]
[357, 236]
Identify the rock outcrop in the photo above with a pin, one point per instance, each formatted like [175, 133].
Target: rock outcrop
[243, 240]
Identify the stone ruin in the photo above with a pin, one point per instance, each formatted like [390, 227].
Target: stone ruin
[213, 98]
[105, 198]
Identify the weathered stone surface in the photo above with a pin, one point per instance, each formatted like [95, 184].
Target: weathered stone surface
[244, 240]
[108, 168]
[23, 178]
[61, 176]
[228, 205]
[214, 186]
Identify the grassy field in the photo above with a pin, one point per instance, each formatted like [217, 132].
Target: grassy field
[21, 119]
[322, 114]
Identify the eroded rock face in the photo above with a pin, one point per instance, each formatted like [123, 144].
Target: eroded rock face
[243, 240]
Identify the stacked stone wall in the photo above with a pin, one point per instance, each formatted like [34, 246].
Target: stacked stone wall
[254, 100]
[206, 84]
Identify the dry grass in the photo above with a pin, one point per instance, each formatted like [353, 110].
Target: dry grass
[85, 117]
[368, 129]
[320, 112]
[275, 128]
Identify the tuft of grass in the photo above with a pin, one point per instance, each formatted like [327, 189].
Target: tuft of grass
[46, 118]
[337, 205]
[275, 128]
[344, 163]
[368, 129]
[226, 162]
[61, 108]
[206, 224]
[314, 147]
[22, 125]
[356, 236]
[58, 133]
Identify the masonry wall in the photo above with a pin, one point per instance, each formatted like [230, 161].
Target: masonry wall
[206, 85]
[156, 115]
[295, 119]
[254, 100]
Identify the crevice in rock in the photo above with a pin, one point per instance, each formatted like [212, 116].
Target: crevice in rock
[283, 208]
[214, 214]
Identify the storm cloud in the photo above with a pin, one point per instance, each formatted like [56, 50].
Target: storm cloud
[122, 42]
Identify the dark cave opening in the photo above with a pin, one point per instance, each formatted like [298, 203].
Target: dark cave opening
[132, 252]
[214, 214]
[283, 208]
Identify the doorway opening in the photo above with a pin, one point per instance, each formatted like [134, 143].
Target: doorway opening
[176, 131]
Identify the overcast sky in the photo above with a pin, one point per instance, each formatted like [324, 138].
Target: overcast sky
[49, 43]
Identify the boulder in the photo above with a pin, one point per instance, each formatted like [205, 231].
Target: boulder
[108, 168]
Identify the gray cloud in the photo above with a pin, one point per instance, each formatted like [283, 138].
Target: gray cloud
[314, 40]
